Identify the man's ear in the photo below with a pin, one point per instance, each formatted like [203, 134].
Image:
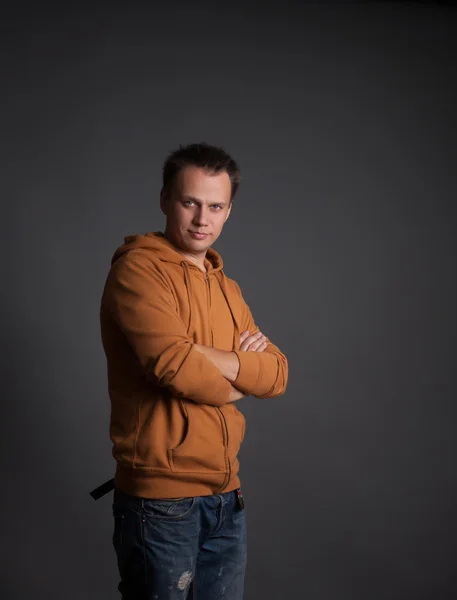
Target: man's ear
[163, 201]
[229, 210]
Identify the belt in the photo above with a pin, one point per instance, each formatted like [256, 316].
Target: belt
[103, 489]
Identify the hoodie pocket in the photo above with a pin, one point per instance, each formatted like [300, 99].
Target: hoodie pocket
[236, 425]
[202, 449]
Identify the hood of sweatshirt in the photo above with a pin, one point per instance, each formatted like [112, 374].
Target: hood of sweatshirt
[162, 249]
[156, 242]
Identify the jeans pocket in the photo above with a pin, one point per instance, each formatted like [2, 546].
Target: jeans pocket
[169, 509]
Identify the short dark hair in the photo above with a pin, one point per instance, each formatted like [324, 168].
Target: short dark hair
[211, 158]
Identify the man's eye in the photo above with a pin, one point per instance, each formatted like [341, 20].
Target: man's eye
[192, 202]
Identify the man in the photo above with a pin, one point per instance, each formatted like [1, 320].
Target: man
[182, 348]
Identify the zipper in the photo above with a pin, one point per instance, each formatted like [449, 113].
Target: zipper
[229, 469]
[222, 416]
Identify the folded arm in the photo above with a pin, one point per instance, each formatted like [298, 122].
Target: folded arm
[140, 301]
[260, 374]
[227, 362]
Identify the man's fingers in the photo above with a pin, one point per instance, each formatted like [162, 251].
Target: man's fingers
[253, 343]
[258, 346]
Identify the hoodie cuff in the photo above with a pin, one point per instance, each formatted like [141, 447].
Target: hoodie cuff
[250, 373]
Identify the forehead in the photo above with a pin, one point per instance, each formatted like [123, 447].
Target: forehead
[202, 184]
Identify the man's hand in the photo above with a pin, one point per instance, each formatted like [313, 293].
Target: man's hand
[252, 343]
[249, 343]
[227, 362]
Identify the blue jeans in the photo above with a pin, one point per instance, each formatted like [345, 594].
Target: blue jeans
[189, 548]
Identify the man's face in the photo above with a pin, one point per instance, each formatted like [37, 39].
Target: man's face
[199, 202]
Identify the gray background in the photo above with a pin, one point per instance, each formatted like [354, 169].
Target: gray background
[342, 237]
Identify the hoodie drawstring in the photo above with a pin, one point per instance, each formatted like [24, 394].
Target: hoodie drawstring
[236, 333]
[188, 283]
[223, 285]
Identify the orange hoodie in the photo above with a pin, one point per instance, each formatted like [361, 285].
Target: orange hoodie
[173, 429]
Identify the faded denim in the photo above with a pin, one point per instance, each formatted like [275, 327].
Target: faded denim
[189, 548]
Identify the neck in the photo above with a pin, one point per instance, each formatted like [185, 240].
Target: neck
[200, 264]
[200, 261]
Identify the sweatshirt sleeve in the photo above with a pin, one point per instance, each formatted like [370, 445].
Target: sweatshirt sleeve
[262, 374]
[139, 299]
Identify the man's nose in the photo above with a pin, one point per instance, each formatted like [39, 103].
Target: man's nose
[201, 217]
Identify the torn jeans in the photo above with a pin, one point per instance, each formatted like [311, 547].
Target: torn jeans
[188, 548]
